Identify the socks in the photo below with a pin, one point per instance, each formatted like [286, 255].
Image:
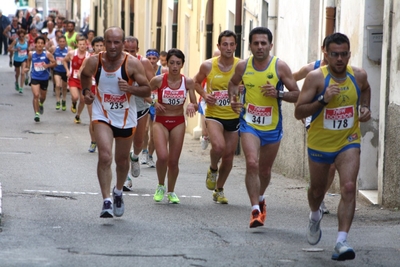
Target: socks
[261, 198]
[134, 157]
[315, 215]
[117, 192]
[342, 236]
[107, 199]
[256, 207]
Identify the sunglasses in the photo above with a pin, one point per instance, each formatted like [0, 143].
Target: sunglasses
[344, 54]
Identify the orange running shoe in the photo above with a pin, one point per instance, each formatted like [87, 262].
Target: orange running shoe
[263, 210]
[255, 219]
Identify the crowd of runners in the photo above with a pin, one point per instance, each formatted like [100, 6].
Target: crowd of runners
[138, 104]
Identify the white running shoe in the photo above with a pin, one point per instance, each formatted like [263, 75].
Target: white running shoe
[135, 167]
[127, 184]
[151, 162]
[204, 142]
[144, 158]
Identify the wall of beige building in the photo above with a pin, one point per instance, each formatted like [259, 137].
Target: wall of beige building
[389, 112]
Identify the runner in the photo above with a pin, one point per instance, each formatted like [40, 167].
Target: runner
[264, 77]
[114, 112]
[221, 121]
[71, 35]
[131, 46]
[41, 61]
[76, 57]
[11, 31]
[60, 73]
[98, 46]
[169, 125]
[148, 144]
[337, 96]
[299, 75]
[20, 49]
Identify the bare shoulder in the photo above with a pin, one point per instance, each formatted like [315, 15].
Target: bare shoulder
[189, 81]
[359, 73]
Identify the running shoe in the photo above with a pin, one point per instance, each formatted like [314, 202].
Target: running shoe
[107, 211]
[41, 108]
[211, 179]
[10, 64]
[204, 142]
[77, 119]
[144, 158]
[173, 198]
[159, 194]
[314, 232]
[63, 105]
[118, 205]
[127, 184]
[343, 252]
[26, 79]
[219, 197]
[135, 167]
[92, 147]
[255, 219]
[263, 210]
[21, 90]
[73, 108]
[58, 105]
[324, 208]
[151, 162]
[16, 86]
[37, 117]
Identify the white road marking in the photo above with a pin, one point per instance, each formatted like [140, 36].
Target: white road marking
[94, 193]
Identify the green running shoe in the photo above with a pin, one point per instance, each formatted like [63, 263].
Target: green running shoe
[159, 194]
[37, 117]
[58, 105]
[173, 198]
[63, 105]
[16, 86]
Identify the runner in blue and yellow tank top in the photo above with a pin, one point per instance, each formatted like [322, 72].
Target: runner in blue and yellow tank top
[222, 123]
[263, 77]
[338, 98]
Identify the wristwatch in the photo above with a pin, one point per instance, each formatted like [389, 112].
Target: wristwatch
[280, 94]
[321, 100]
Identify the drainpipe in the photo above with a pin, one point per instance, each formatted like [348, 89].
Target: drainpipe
[330, 18]
[175, 25]
[131, 17]
[158, 33]
[238, 28]
[209, 28]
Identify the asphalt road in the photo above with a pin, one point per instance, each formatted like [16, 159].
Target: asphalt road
[51, 205]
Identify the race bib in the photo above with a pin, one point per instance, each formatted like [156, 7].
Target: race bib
[38, 66]
[115, 102]
[222, 98]
[22, 53]
[75, 74]
[59, 60]
[258, 115]
[154, 95]
[339, 118]
[174, 97]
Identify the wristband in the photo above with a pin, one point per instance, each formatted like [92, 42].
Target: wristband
[84, 91]
[153, 103]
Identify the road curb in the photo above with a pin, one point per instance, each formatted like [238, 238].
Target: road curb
[0, 204]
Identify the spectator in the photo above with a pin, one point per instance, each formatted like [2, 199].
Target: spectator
[37, 22]
[85, 28]
[21, 19]
[4, 22]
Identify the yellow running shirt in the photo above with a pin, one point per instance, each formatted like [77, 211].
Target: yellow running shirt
[336, 125]
[71, 42]
[261, 112]
[217, 85]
